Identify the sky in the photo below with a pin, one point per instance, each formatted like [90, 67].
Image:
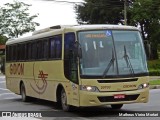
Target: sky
[50, 13]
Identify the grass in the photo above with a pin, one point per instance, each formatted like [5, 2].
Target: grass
[154, 67]
[154, 64]
[154, 82]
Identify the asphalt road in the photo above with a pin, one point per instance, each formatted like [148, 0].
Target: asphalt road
[12, 102]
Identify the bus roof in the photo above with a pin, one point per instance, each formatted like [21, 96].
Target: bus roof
[58, 29]
[103, 26]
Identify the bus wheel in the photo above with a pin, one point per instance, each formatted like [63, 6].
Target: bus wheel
[65, 107]
[117, 106]
[23, 93]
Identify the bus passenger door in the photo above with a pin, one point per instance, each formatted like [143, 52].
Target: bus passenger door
[74, 79]
[70, 68]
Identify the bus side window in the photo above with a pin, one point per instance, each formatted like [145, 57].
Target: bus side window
[10, 52]
[58, 43]
[34, 51]
[21, 52]
[46, 46]
[15, 53]
[52, 48]
[25, 52]
[29, 51]
[55, 43]
[7, 55]
[39, 50]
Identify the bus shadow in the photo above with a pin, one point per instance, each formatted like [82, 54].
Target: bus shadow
[100, 111]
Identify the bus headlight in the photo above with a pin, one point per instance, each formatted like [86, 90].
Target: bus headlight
[142, 86]
[89, 88]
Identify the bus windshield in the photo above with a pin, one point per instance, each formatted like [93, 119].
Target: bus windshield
[112, 53]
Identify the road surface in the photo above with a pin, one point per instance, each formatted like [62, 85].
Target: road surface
[12, 102]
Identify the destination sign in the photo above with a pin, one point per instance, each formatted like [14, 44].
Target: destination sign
[92, 35]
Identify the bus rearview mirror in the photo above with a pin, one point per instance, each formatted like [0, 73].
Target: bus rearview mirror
[78, 49]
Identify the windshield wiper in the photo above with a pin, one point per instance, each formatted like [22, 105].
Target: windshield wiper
[109, 65]
[127, 59]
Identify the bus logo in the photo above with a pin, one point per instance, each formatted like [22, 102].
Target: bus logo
[40, 89]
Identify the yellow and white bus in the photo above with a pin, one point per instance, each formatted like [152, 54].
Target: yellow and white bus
[79, 65]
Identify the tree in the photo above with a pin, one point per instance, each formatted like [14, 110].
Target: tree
[140, 13]
[100, 11]
[146, 14]
[15, 20]
[3, 39]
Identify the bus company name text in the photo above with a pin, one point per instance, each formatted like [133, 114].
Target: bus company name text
[129, 86]
[17, 69]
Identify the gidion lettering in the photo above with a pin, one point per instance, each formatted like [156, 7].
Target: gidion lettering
[17, 69]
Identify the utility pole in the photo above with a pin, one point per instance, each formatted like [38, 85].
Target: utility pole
[125, 12]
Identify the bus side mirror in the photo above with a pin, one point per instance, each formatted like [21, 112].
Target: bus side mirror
[78, 50]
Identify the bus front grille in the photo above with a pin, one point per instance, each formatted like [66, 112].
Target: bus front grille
[118, 81]
[112, 99]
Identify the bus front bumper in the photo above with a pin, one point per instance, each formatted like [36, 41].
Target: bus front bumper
[108, 98]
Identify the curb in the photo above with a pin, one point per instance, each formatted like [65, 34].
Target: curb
[154, 86]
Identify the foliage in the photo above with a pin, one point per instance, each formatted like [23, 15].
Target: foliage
[154, 73]
[154, 67]
[3, 39]
[15, 20]
[100, 12]
[154, 64]
[146, 14]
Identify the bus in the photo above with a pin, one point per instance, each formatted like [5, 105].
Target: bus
[79, 66]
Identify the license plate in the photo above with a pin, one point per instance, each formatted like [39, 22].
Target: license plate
[119, 96]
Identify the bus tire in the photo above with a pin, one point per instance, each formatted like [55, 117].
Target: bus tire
[23, 93]
[116, 106]
[64, 105]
